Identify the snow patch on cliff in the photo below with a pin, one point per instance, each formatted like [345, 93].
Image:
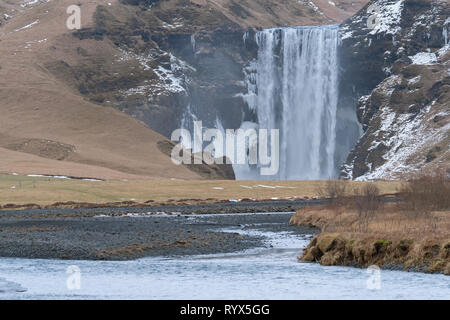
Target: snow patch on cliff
[404, 137]
[170, 79]
[389, 84]
[389, 16]
[424, 58]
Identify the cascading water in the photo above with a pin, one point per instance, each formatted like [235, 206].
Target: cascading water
[293, 87]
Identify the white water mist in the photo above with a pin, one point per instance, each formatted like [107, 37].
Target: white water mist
[294, 88]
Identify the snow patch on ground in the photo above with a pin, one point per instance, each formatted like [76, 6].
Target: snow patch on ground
[47, 176]
[28, 26]
[177, 23]
[28, 44]
[414, 80]
[61, 177]
[267, 187]
[424, 58]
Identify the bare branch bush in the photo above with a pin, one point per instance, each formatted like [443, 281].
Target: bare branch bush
[336, 192]
[367, 203]
[425, 193]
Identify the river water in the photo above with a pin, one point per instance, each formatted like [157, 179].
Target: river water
[269, 272]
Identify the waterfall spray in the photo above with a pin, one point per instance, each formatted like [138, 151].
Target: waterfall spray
[294, 88]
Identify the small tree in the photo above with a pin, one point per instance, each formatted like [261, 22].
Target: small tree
[426, 193]
[334, 191]
[367, 202]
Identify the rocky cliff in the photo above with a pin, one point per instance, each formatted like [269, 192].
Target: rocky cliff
[166, 62]
[396, 72]
[175, 60]
[189, 64]
[157, 61]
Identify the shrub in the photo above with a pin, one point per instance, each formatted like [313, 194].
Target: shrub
[426, 193]
[366, 201]
[367, 198]
[334, 191]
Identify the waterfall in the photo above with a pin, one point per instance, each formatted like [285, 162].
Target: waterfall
[293, 87]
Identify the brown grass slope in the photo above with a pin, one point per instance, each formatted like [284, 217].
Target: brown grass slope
[45, 127]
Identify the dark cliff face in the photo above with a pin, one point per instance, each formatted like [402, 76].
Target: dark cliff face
[166, 65]
[170, 62]
[395, 74]
[160, 61]
[174, 56]
[214, 87]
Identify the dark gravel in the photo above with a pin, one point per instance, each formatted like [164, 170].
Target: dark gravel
[210, 208]
[81, 234]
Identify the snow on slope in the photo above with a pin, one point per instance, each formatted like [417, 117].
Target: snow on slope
[406, 117]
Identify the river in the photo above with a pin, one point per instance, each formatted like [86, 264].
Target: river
[268, 272]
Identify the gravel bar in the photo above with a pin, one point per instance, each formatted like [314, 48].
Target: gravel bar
[131, 233]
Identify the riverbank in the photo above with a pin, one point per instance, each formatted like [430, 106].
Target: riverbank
[128, 234]
[270, 271]
[390, 237]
